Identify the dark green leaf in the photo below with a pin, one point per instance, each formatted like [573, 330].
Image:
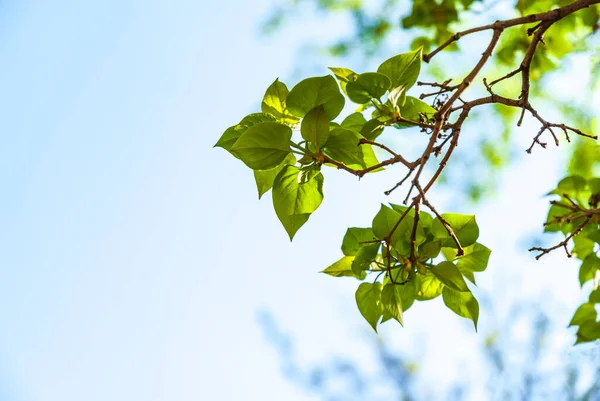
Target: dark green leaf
[589, 268]
[368, 300]
[367, 86]
[295, 196]
[594, 235]
[274, 103]
[364, 257]
[449, 274]
[372, 129]
[353, 238]
[430, 249]
[354, 122]
[462, 303]
[343, 146]
[589, 331]
[315, 127]
[264, 145]
[313, 92]
[264, 178]
[584, 314]
[391, 298]
[595, 296]
[343, 268]
[402, 69]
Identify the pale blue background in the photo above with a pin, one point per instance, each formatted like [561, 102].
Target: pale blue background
[132, 254]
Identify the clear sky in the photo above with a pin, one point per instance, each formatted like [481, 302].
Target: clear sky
[134, 258]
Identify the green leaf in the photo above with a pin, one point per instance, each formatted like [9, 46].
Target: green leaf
[384, 221]
[462, 303]
[397, 96]
[464, 226]
[367, 86]
[343, 146]
[315, 127]
[391, 298]
[364, 257]
[264, 145]
[343, 268]
[589, 268]
[408, 293]
[584, 314]
[594, 235]
[589, 331]
[402, 69]
[368, 157]
[344, 76]
[571, 185]
[387, 219]
[594, 184]
[313, 92]
[354, 122]
[582, 245]
[595, 296]
[408, 290]
[475, 259]
[412, 110]
[353, 238]
[296, 195]
[368, 300]
[427, 286]
[555, 211]
[264, 178]
[430, 249]
[372, 129]
[274, 103]
[449, 274]
[231, 135]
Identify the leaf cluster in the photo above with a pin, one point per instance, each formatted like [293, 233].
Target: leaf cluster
[295, 134]
[576, 215]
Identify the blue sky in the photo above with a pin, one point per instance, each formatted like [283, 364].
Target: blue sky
[132, 254]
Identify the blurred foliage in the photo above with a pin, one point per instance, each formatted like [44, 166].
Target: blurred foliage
[505, 367]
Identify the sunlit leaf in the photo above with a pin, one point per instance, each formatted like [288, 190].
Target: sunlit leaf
[295, 196]
[274, 103]
[462, 303]
[264, 145]
[315, 127]
[464, 226]
[449, 274]
[403, 69]
[316, 91]
[354, 239]
[367, 86]
[368, 300]
[264, 178]
[343, 268]
[391, 298]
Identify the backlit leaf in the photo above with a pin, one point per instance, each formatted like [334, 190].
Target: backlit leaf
[295, 196]
[368, 300]
[264, 145]
[316, 91]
